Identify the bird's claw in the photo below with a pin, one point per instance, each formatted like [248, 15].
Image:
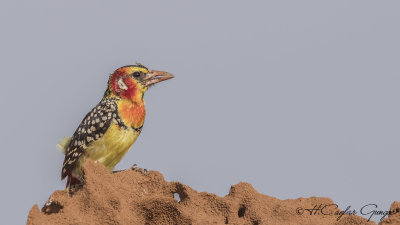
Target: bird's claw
[137, 169]
[74, 188]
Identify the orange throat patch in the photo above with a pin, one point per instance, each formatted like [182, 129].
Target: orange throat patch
[132, 113]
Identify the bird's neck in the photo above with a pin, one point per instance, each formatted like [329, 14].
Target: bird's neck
[132, 113]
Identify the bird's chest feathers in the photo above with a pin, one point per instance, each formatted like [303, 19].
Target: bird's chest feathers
[132, 113]
[110, 149]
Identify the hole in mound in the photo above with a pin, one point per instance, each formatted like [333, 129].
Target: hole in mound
[177, 197]
[255, 222]
[180, 193]
[241, 211]
[226, 220]
[52, 207]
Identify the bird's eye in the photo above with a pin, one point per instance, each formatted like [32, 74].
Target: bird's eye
[136, 74]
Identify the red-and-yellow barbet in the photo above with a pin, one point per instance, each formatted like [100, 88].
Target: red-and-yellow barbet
[108, 131]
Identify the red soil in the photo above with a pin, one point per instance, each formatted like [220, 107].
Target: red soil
[130, 197]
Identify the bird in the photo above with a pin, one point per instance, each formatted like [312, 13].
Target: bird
[109, 130]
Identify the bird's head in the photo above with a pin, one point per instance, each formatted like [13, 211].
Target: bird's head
[131, 82]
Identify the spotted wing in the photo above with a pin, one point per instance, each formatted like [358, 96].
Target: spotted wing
[93, 127]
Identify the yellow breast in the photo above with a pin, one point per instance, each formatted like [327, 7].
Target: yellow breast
[110, 149]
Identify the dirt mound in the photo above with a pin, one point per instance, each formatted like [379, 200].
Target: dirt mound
[130, 197]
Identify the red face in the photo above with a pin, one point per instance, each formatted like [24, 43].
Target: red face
[130, 82]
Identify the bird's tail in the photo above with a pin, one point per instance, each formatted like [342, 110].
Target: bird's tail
[63, 144]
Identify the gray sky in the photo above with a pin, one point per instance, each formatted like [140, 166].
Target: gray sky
[299, 98]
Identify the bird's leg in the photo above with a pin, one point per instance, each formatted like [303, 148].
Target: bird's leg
[137, 169]
[74, 184]
[69, 189]
[69, 185]
[134, 168]
[116, 171]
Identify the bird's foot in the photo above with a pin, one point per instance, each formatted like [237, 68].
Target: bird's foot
[74, 184]
[137, 169]
[71, 189]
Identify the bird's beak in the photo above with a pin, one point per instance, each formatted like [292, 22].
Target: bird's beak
[155, 76]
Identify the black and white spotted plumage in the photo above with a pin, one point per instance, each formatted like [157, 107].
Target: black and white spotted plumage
[93, 127]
